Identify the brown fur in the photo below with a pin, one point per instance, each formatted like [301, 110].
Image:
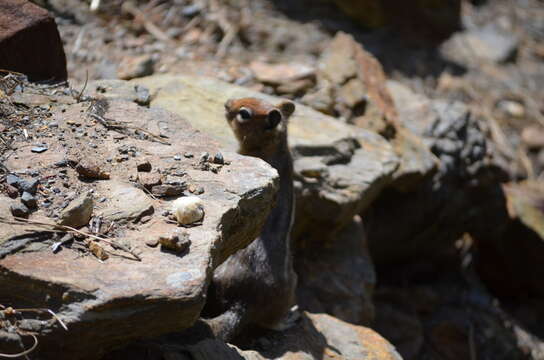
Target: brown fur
[257, 284]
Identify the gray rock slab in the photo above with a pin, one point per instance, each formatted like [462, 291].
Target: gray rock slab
[104, 304]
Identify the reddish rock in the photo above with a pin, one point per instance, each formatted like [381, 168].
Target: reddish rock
[362, 97]
[30, 42]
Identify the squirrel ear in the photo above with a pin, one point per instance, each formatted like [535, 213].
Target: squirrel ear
[228, 104]
[274, 118]
[287, 108]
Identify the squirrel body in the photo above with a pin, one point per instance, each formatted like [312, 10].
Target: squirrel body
[256, 285]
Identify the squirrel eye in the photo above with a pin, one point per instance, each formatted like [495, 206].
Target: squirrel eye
[245, 114]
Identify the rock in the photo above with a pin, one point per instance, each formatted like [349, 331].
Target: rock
[152, 242]
[361, 96]
[449, 317]
[295, 87]
[320, 335]
[19, 210]
[278, 74]
[360, 163]
[39, 149]
[78, 213]
[533, 137]
[29, 200]
[511, 108]
[91, 169]
[126, 202]
[417, 162]
[167, 190]
[29, 186]
[467, 176]
[416, 159]
[322, 99]
[516, 249]
[30, 42]
[13, 180]
[135, 67]
[434, 20]
[337, 277]
[178, 242]
[188, 210]
[218, 159]
[315, 336]
[486, 44]
[143, 165]
[119, 90]
[11, 191]
[148, 180]
[165, 291]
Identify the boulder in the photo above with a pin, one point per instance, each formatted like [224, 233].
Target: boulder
[358, 83]
[337, 277]
[450, 318]
[359, 163]
[360, 95]
[315, 336]
[30, 42]
[487, 44]
[104, 303]
[467, 177]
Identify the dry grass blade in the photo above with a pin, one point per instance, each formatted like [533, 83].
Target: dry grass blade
[117, 125]
[148, 25]
[23, 353]
[72, 230]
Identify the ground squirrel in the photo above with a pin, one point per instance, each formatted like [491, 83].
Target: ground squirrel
[256, 285]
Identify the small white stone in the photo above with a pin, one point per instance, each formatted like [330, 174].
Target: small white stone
[188, 209]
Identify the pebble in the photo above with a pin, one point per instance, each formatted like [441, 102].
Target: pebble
[204, 156]
[512, 108]
[167, 190]
[178, 242]
[218, 158]
[143, 97]
[152, 242]
[191, 10]
[143, 165]
[188, 210]
[29, 200]
[39, 149]
[188, 155]
[30, 186]
[19, 210]
[12, 191]
[62, 163]
[177, 157]
[145, 219]
[13, 180]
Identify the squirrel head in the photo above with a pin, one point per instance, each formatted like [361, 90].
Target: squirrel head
[259, 126]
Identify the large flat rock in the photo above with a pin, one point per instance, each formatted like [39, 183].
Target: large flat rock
[107, 304]
[339, 168]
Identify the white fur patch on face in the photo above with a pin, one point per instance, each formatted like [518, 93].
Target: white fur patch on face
[244, 115]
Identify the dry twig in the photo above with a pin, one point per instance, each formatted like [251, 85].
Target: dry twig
[72, 230]
[112, 124]
[148, 25]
